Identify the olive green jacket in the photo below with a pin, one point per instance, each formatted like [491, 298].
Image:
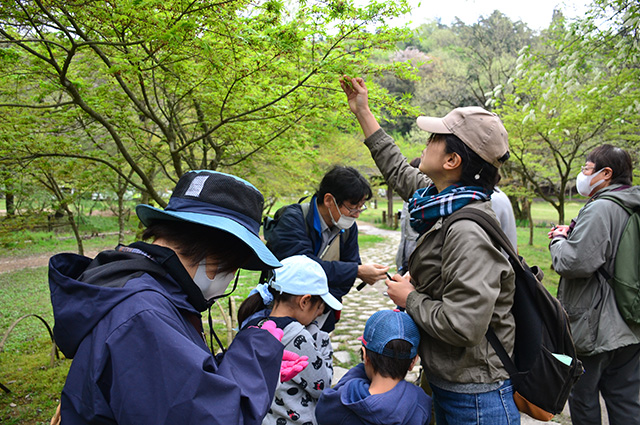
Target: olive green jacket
[463, 284]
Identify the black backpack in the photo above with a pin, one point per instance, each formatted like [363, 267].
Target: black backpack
[268, 223]
[544, 365]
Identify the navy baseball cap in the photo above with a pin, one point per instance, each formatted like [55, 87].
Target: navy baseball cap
[221, 201]
[386, 325]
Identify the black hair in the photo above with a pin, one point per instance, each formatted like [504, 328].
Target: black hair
[254, 303]
[345, 184]
[615, 158]
[392, 367]
[197, 242]
[472, 164]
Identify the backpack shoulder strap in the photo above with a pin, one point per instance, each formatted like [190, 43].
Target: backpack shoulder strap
[605, 274]
[491, 227]
[306, 207]
[508, 363]
[488, 224]
[619, 202]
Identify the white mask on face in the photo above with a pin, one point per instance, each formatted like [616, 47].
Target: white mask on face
[344, 222]
[211, 287]
[583, 183]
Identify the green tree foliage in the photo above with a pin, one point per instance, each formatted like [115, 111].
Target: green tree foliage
[161, 87]
[580, 90]
[468, 61]
[458, 65]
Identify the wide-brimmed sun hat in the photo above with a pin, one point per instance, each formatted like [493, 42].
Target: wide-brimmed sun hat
[221, 201]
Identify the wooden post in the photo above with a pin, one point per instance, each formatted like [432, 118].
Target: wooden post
[390, 206]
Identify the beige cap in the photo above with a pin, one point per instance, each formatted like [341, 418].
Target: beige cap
[479, 129]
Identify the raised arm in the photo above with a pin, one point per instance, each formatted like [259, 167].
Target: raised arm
[358, 97]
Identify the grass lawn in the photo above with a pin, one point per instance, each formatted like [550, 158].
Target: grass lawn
[25, 362]
[97, 232]
[544, 213]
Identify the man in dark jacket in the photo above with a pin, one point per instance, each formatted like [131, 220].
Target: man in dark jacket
[325, 230]
[130, 318]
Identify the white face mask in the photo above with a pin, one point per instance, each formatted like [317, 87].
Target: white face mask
[211, 287]
[583, 183]
[344, 222]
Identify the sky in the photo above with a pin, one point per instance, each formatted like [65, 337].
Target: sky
[535, 13]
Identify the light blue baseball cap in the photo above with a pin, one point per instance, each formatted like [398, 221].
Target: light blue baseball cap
[300, 275]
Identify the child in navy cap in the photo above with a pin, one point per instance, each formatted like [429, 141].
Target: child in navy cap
[375, 392]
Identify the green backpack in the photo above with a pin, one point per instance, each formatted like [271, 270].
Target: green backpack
[626, 276]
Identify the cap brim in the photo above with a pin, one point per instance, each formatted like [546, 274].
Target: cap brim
[262, 258]
[331, 301]
[432, 125]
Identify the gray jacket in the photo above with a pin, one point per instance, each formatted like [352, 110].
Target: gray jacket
[463, 285]
[408, 239]
[596, 324]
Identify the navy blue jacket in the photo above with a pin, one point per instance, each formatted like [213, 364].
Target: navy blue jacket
[292, 235]
[138, 355]
[350, 403]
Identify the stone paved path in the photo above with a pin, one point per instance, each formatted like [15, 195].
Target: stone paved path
[359, 305]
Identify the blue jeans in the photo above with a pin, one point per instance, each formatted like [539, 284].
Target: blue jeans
[492, 408]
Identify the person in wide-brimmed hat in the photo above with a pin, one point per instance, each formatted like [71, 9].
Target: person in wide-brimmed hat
[130, 318]
[459, 284]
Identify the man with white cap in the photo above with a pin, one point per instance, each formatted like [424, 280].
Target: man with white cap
[130, 318]
[459, 284]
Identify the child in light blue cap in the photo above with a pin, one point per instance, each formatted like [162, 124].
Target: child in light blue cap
[375, 392]
[294, 297]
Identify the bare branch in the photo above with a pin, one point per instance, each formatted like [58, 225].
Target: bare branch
[19, 105]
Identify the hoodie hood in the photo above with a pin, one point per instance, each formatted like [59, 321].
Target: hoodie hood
[83, 291]
[629, 197]
[402, 405]
[377, 407]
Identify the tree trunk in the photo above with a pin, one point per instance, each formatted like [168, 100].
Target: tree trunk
[144, 199]
[9, 197]
[561, 203]
[10, 203]
[121, 217]
[390, 206]
[526, 205]
[74, 227]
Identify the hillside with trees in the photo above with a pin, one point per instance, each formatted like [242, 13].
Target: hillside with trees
[119, 99]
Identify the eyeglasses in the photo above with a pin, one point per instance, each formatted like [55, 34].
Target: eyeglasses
[354, 211]
[587, 168]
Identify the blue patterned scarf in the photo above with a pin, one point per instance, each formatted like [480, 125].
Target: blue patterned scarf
[427, 205]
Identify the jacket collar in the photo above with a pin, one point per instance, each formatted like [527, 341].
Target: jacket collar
[168, 259]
